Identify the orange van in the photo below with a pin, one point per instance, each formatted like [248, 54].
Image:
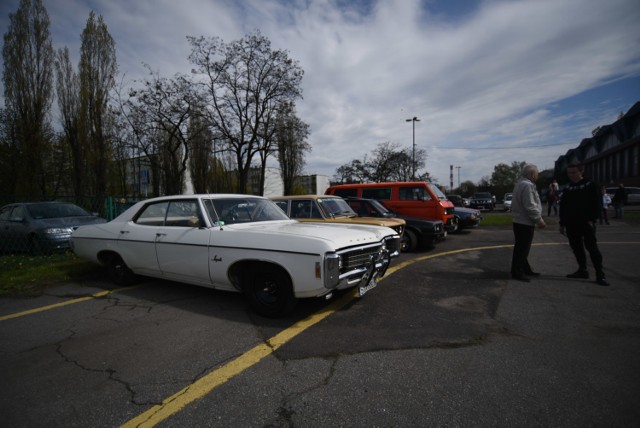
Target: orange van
[409, 198]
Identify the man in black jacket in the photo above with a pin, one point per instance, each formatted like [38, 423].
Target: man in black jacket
[580, 207]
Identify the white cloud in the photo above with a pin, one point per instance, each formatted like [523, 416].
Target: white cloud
[493, 76]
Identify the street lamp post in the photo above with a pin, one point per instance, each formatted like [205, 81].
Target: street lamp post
[413, 160]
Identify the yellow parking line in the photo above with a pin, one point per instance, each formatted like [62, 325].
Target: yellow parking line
[58, 305]
[207, 383]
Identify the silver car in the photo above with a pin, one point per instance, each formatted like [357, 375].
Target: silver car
[41, 227]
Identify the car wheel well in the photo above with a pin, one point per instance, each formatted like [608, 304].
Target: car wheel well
[117, 269]
[268, 286]
[242, 270]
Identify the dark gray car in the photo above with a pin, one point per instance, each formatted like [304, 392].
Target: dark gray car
[41, 227]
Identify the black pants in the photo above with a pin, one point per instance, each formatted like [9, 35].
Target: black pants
[583, 236]
[523, 235]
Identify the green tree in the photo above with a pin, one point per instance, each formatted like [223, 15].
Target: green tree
[504, 177]
[28, 79]
[200, 139]
[467, 188]
[97, 74]
[68, 95]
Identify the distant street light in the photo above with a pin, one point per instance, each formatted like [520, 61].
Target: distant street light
[413, 160]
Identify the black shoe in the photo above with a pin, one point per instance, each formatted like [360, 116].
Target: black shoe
[601, 280]
[581, 274]
[521, 278]
[532, 273]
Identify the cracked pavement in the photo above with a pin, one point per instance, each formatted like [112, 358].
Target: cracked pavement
[448, 340]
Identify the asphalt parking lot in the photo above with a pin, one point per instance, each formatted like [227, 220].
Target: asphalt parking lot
[446, 339]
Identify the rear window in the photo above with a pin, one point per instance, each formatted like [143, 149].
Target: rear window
[379, 193]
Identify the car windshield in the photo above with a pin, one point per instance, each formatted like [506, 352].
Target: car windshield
[483, 195]
[40, 211]
[333, 207]
[436, 191]
[243, 210]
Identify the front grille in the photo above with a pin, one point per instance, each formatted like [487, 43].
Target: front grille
[353, 259]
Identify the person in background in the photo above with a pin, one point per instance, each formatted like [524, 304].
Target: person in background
[619, 199]
[527, 213]
[606, 201]
[552, 198]
[580, 207]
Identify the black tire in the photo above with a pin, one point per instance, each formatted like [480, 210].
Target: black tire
[409, 241]
[269, 291]
[118, 271]
[458, 226]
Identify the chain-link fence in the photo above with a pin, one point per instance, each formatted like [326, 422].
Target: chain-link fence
[35, 226]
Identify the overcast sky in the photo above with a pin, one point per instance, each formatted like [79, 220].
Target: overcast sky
[491, 81]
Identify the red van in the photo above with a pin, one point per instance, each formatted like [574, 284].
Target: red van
[409, 198]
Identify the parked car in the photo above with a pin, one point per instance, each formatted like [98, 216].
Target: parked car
[408, 198]
[41, 227]
[482, 201]
[506, 203]
[633, 194]
[456, 200]
[468, 218]
[238, 243]
[418, 232]
[330, 209]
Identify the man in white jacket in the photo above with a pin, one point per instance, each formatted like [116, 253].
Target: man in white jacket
[527, 214]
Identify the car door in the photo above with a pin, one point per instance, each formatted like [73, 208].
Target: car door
[137, 240]
[182, 244]
[14, 230]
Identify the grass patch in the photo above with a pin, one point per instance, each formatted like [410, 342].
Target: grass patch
[28, 276]
[496, 218]
[504, 219]
[630, 217]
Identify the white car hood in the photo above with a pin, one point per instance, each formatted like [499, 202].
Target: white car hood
[341, 235]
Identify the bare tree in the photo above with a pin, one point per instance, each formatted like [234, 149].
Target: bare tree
[97, 73]
[389, 163]
[245, 81]
[28, 79]
[160, 115]
[291, 135]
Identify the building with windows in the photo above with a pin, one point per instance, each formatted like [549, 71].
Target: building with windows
[611, 156]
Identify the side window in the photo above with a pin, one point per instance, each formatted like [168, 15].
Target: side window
[153, 214]
[304, 208]
[362, 209]
[184, 214]
[414, 193]
[379, 193]
[18, 213]
[345, 193]
[5, 213]
[282, 205]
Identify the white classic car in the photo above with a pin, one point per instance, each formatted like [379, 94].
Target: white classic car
[238, 243]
